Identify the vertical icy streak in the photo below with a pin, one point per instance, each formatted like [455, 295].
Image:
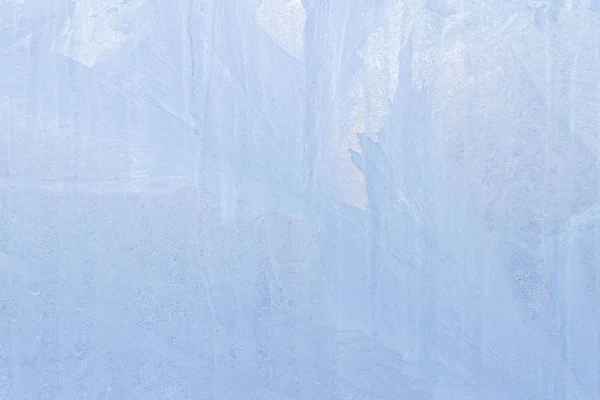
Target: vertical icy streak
[552, 258]
[312, 131]
[570, 190]
[596, 303]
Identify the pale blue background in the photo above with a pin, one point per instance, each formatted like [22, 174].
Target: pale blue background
[341, 199]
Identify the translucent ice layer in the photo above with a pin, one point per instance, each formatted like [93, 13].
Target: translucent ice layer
[299, 199]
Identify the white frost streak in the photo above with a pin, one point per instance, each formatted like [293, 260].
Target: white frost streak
[284, 21]
[372, 89]
[96, 29]
[380, 56]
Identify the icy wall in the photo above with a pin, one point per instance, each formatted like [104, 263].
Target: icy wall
[299, 199]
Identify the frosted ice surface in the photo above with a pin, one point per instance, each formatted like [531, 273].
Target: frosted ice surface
[284, 21]
[299, 199]
[97, 27]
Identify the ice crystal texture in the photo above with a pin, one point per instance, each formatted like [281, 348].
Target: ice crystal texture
[299, 199]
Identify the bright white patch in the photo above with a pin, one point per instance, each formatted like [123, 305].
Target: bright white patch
[372, 89]
[284, 21]
[380, 57]
[422, 70]
[97, 28]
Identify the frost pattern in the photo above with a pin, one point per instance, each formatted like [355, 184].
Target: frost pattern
[330, 199]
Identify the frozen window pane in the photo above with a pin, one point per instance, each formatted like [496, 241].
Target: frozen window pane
[299, 199]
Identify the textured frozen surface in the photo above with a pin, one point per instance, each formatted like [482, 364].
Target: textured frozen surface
[299, 199]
